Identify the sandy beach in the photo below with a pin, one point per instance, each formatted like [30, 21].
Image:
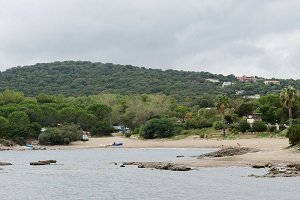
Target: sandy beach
[272, 150]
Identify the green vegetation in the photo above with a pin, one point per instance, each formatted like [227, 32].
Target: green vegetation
[294, 135]
[158, 128]
[63, 134]
[153, 103]
[72, 78]
[259, 126]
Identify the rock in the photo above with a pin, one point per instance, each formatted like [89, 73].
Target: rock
[287, 170]
[159, 165]
[258, 166]
[180, 156]
[141, 165]
[4, 163]
[37, 163]
[43, 162]
[122, 165]
[229, 151]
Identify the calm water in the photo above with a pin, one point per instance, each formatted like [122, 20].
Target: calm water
[90, 174]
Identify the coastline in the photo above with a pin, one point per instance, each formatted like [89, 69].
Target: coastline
[272, 150]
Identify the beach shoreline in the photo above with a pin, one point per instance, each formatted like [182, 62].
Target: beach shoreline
[271, 150]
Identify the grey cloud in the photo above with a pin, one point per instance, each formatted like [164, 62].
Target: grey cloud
[220, 36]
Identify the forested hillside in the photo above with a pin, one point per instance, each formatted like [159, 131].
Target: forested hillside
[72, 78]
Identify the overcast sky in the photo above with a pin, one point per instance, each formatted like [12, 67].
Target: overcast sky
[252, 37]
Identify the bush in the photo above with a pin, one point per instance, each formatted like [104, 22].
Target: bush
[7, 143]
[158, 128]
[19, 140]
[281, 127]
[136, 131]
[272, 128]
[244, 126]
[259, 126]
[294, 134]
[197, 124]
[234, 128]
[218, 125]
[127, 134]
[60, 135]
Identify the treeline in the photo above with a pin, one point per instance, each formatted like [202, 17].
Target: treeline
[23, 117]
[72, 78]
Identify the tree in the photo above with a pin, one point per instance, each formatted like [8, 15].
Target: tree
[68, 115]
[45, 98]
[102, 112]
[86, 120]
[18, 119]
[4, 125]
[157, 128]
[222, 104]
[288, 98]
[48, 116]
[245, 109]
[10, 96]
[19, 123]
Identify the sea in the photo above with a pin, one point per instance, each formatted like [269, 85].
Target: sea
[92, 174]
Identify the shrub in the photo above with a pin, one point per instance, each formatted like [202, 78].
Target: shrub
[272, 128]
[244, 126]
[7, 143]
[234, 128]
[294, 134]
[136, 131]
[259, 126]
[19, 140]
[127, 134]
[197, 124]
[158, 128]
[218, 125]
[282, 127]
[60, 135]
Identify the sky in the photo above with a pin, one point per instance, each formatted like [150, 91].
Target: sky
[241, 37]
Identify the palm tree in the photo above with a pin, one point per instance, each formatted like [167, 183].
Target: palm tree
[222, 104]
[288, 97]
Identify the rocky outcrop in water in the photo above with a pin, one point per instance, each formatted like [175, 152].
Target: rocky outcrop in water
[5, 149]
[43, 162]
[4, 163]
[281, 170]
[159, 165]
[229, 151]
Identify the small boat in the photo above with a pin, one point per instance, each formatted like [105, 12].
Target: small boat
[117, 144]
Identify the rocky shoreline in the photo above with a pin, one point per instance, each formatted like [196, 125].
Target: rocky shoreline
[229, 151]
[279, 170]
[159, 165]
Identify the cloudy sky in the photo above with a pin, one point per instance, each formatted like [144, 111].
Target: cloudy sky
[252, 37]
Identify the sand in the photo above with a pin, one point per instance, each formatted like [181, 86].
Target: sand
[273, 150]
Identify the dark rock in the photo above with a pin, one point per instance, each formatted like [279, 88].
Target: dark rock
[4, 163]
[122, 165]
[159, 165]
[180, 156]
[258, 166]
[43, 162]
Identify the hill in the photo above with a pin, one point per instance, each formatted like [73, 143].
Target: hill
[73, 78]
